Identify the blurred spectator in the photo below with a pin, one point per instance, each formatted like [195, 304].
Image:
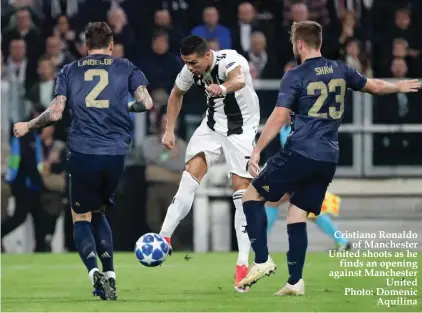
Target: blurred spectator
[54, 51]
[265, 63]
[290, 65]
[163, 173]
[404, 29]
[253, 71]
[20, 76]
[241, 34]
[119, 50]
[5, 119]
[24, 177]
[123, 34]
[54, 180]
[361, 8]
[356, 59]
[8, 10]
[212, 30]
[67, 36]
[214, 45]
[398, 68]
[53, 9]
[294, 11]
[26, 30]
[42, 92]
[162, 21]
[179, 12]
[349, 29]
[400, 48]
[160, 66]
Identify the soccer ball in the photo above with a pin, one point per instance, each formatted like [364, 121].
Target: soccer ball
[151, 250]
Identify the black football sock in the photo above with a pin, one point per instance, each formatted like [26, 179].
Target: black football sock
[256, 227]
[298, 243]
[85, 244]
[103, 240]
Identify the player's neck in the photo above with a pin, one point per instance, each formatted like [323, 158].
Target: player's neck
[99, 51]
[311, 55]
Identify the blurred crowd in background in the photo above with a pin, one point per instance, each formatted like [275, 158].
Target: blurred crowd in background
[380, 38]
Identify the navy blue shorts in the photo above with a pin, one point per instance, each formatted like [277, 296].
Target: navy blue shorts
[289, 172]
[93, 180]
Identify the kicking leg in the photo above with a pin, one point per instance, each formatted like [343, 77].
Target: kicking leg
[239, 185]
[195, 170]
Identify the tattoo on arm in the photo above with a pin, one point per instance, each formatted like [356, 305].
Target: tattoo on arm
[52, 114]
[143, 101]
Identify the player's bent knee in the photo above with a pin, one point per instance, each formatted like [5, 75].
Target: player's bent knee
[81, 217]
[197, 166]
[296, 215]
[251, 194]
[239, 182]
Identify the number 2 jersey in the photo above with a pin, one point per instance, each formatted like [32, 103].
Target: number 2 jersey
[315, 92]
[97, 89]
[233, 113]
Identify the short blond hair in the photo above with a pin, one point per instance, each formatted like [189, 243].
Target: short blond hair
[308, 31]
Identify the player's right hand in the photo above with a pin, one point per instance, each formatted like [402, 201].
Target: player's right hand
[168, 140]
[409, 85]
[20, 129]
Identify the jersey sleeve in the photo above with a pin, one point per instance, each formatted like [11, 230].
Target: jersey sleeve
[230, 62]
[184, 79]
[289, 91]
[61, 83]
[354, 79]
[136, 79]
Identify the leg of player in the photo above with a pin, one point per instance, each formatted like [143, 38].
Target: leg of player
[85, 244]
[104, 242]
[254, 208]
[240, 184]
[298, 243]
[195, 170]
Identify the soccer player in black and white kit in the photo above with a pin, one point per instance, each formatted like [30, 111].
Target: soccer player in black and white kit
[229, 128]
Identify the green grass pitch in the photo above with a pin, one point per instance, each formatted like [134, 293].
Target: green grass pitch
[59, 283]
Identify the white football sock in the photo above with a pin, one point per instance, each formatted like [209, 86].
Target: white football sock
[243, 241]
[91, 274]
[181, 204]
[110, 274]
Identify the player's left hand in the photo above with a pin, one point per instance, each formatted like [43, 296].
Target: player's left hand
[214, 90]
[253, 167]
[20, 129]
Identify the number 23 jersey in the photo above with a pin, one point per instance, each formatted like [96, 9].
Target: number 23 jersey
[97, 89]
[232, 113]
[315, 91]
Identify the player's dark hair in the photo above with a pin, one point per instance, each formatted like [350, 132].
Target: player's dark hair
[308, 31]
[98, 35]
[193, 44]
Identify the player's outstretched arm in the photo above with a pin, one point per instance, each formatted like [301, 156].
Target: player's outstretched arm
[53, 114]
[143, 101]
[382, 87]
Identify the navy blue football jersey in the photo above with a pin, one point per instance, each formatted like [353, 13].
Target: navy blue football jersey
[97, 88]
[315, 92]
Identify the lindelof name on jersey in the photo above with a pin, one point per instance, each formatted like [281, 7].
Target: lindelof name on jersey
[93, 62]
[324, 70]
